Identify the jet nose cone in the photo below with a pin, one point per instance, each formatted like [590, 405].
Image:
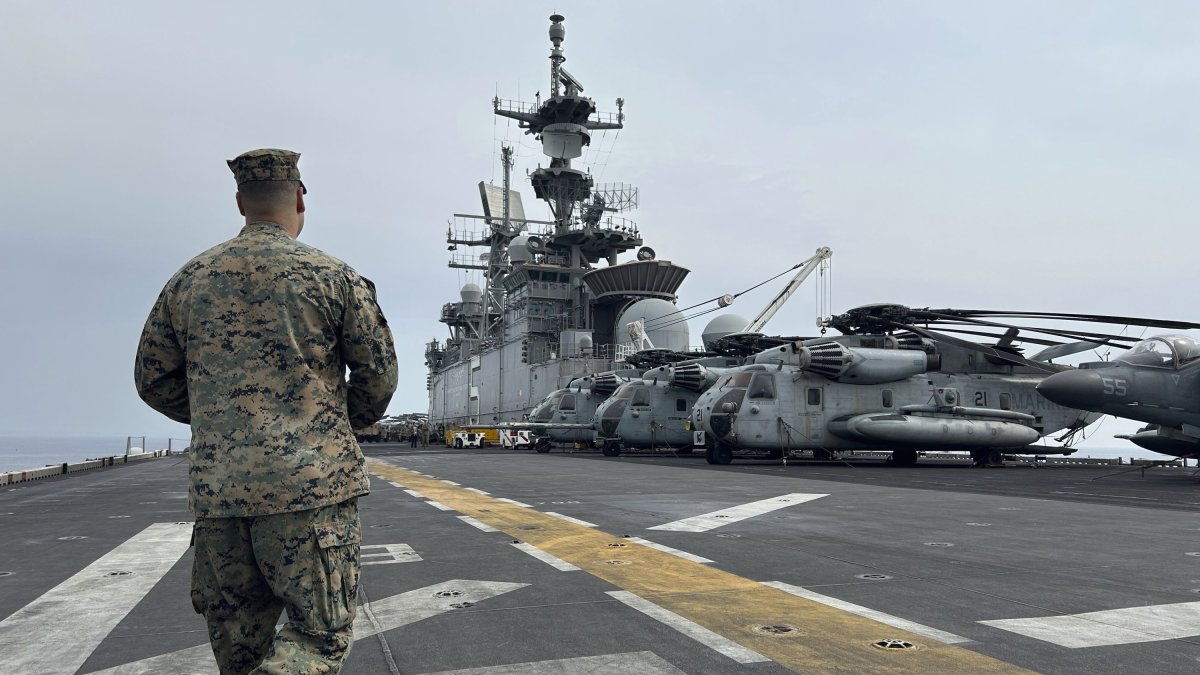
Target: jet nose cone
[1074, 388]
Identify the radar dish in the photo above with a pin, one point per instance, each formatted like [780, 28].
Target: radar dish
[645, 253]
[493, 203]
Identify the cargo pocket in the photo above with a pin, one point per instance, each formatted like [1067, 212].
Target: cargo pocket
[338, 542]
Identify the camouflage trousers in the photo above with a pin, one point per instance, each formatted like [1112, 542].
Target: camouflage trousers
[248, 570]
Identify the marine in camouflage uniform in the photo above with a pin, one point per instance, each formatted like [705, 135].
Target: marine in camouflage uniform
[249, 343]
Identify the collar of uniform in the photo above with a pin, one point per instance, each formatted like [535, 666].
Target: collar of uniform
[263, 226]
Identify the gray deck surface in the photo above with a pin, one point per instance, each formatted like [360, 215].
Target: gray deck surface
[943, 548]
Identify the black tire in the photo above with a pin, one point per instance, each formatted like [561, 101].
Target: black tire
[723, 454]
[611, 449]
[458, 443]
[995, 457]
[904, 457]
[710, 455]
[542, 446]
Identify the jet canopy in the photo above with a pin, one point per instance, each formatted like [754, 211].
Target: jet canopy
[1168, 351]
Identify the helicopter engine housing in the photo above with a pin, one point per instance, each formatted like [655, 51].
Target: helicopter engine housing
[865, 365]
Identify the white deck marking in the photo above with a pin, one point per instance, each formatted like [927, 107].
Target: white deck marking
[667, 549]
[394, 612]
[450, 482]
[477, 490]
[391, 553]
[556, 563]
[709, 521]
[642, 663]
[570, 519]
[416, 494]
[439, 506]
[58, 631]
[867, 613]
[477, 524]
[395, 484]
[512, 501]
[1110, 627]
[691, 629]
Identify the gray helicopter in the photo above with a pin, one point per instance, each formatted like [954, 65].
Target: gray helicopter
[570, 415]
[565, 415]
[653, 412]
[886, 384]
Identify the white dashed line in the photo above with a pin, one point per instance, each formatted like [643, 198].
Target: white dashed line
[867, 613]
[556, 563]
[570, 519]
[477, 525]
[689, 628]
[667, 549]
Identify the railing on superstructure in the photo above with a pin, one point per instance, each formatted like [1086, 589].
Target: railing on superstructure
[502, 105]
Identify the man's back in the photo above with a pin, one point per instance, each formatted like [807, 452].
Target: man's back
[265, 327]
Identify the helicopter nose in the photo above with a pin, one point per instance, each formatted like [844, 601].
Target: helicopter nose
[1074, 388]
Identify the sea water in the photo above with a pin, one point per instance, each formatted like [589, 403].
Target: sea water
[19, 453]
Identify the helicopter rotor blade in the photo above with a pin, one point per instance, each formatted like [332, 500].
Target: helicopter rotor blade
[975, 346]
[1065, 350]
[1067, 316]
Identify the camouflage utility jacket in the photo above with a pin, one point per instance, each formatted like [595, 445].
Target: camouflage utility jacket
[249, 343]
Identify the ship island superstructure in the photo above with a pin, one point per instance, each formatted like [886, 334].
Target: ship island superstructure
[548, 311]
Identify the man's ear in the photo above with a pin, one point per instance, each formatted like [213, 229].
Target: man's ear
[300, 200]
[238, 197]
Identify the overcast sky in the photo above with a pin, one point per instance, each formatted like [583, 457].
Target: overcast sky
[1015, 155]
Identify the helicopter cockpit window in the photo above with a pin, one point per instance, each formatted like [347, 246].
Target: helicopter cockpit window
[641, 396]
[762, 386]
[814, 397]
[681, 405]
[624, 392]
[1159, 351]
[738, 380]
[567, 402]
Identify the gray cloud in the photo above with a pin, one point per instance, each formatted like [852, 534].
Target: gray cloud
[1014, 155]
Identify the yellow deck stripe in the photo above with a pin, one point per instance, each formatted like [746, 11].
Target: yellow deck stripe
[829, 640]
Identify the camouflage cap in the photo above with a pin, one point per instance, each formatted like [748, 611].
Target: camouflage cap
[265, 164]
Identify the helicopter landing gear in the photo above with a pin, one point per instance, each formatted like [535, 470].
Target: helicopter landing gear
[904, 457]
[542, 445]
[721, 453]
[611, 449]
[991, 457]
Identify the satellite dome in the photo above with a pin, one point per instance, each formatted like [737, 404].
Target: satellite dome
[585, 344]
[719, 327]
[471, 293]
[522, 248]
[663, 321]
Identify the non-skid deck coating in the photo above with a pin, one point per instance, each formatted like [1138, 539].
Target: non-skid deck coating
[506, 562]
